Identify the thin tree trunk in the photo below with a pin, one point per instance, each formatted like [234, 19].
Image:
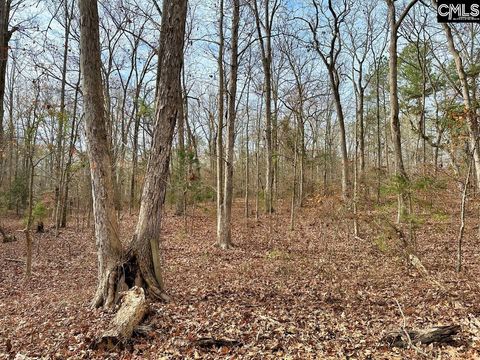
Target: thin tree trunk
[71, 148]
[266, 51]
[462, 218]
[394, 104]
[467, 101]
[61, 199]
[247, 154]
[294, 182]
[221, 98]
[335, 82]
[379, 136]
[181, 158]
[225, 240]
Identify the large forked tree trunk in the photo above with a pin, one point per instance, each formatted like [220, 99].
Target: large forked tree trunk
[140, 265]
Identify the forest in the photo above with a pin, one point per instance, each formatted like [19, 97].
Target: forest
[239, 179]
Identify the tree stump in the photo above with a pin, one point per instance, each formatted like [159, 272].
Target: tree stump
[132, 311]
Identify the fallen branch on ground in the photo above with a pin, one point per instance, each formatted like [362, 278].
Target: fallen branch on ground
[208, 343]
[406, 337]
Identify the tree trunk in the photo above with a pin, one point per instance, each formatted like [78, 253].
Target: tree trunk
[144, 248]
[394, 105]
[60, 201]
[335, 83]
[5, 36]
[71, 148]
[467, 101]
[221, 98]
[141, 264]
[181, 158]
[266, 51]
[225, 239]
[109, 248]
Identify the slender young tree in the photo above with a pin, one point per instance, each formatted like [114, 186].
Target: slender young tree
[468, 103]
[400, 171]
[225, 240]
[221, 109]
[264, 33]
[329, 54]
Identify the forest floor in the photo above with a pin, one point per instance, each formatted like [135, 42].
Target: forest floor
[315, 292]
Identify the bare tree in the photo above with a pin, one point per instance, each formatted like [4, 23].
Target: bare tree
[394, 104]
[225, 240]
[264, 32]
[329, 51]
[470, 112]
[221, 109]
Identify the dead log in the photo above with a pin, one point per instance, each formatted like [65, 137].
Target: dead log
[133, 308]
[407, 337]
[207, 343]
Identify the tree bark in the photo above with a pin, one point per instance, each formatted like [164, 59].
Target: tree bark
[335, 83]
[60, 174]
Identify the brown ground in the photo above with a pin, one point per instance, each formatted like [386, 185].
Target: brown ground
[316, 292]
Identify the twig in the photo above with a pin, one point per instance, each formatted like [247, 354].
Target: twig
[404, 329]
[404, 324]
